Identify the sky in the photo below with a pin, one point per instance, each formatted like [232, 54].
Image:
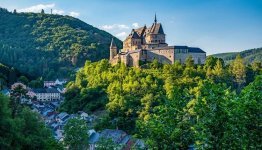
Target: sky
[216, 26]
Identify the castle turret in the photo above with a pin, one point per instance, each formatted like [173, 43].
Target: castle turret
[113, 49]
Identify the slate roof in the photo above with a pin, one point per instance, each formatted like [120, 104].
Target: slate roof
[133, 35]
[141, 31]
[46, 90]
[195, 50]
[5, 91]
[190, 49]
[63, 115]
[113, 44]
[156, 28]
[94, 137]
[115, 135]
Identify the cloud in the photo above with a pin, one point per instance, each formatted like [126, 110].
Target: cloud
[74, 14]
[135, 25]
[56, 11]
[114, 27]
[121, 35]
[37, 8]
[47, 8]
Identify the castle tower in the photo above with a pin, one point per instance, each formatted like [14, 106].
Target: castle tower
[155, 36]
[113, 49]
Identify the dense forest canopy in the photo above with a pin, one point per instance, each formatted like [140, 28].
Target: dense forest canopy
[211, 106]
[49, 45]
[249, 56]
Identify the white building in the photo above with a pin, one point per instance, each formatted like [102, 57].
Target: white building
[54, 83]
[49, 83]
[47, 94]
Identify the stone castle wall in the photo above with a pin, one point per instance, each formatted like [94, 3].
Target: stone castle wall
[199, 58]
[133, 59]
[165, 56]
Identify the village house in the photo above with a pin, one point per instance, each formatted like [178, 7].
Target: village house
[146, 44]
[54, 83]
[13, 86]
[5, 92]
[47, 94]
[117, 136]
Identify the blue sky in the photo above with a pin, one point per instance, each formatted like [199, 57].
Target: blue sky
[216, 26]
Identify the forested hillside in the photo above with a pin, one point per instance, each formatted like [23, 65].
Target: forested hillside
[211, 106]
[49, 45]
[248, 55]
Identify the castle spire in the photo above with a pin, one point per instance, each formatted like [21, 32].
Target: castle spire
[155, 18]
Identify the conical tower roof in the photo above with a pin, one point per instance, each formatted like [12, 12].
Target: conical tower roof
[113, 44]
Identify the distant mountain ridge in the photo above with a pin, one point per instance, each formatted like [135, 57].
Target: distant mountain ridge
[50, 45]
[249, 56]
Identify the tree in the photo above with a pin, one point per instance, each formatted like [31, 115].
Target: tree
[31, 132]
[5, 123]
[12, 76]
[250, 110]
[211, 116]
[107, 144]
[238, 69]
[42, 11]
[189, 62]
[210, 62]
[23, 79]
[218, 69]
[76, 134]
[16, 95]
[25, 131]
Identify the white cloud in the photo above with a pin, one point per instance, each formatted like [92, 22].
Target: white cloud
[74, 14]
[37, 8]
[47, 8]
[115, 27]
[56, 11]
[135, 25]
[121, 35]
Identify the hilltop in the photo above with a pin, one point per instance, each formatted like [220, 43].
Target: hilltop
[249, 56]
[49, 45]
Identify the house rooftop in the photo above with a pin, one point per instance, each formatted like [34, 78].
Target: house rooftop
[46, 90]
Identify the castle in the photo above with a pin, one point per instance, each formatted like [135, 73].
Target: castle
[146, 44]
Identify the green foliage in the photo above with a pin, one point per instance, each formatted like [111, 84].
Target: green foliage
[250, 109]
[23, 80]
[49, 45]
[24, 131]
[249, 56]
[238, 70]
[76, 134]
[8, 76]
[107, 144]
[16, 95]
[169, 106]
